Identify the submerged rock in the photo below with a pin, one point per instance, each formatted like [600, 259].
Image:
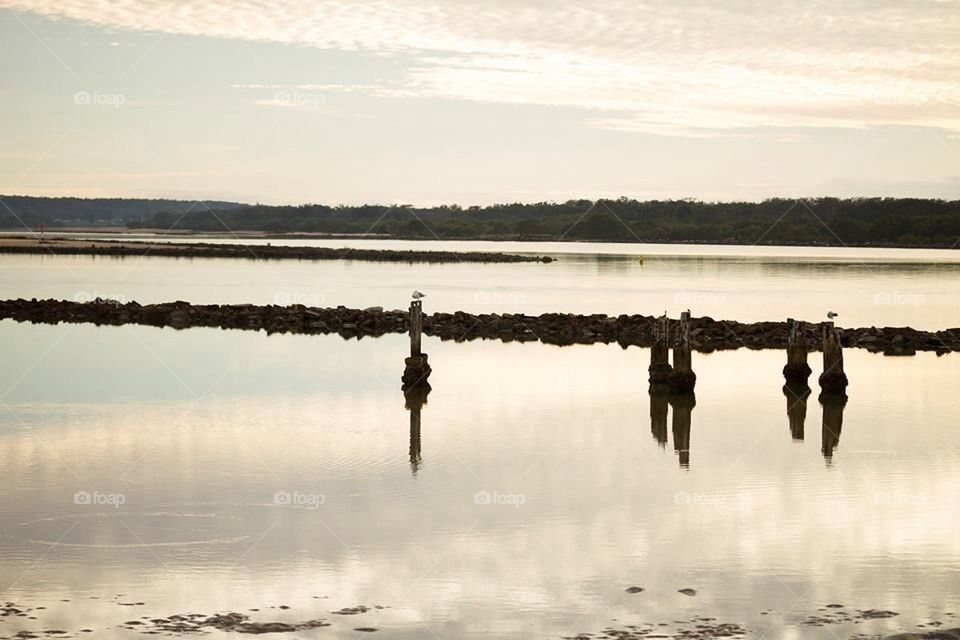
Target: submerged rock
[944, 634]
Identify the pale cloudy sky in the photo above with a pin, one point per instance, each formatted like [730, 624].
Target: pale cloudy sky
[430, 101]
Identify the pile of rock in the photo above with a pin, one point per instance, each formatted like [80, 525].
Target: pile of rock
[706, 334]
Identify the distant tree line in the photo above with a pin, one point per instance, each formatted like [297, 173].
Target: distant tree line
[818, 221]
[19, 211]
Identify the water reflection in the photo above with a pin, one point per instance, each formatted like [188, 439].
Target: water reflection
[833, 405]
[415, 397]
[682, 405]
[658, 416]
[796, 396]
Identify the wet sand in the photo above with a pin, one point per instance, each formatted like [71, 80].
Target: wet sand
[136, 249]
[21, 622]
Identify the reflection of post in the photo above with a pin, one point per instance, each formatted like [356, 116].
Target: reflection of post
[660, 368]
[796, 408]
[415, 399]
[833, 379]
[417, 369]
[796, 371]
[658, 416]
[833, 405]
[683, 379]
[682, 405]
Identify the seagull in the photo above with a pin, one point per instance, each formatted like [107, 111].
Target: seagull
[417, 295]
[832, 314]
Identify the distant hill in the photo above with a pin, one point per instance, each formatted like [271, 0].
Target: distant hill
[815, 221]
[61, 212]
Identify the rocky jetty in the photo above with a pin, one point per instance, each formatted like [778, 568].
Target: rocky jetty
[128, 248]
[706, 334]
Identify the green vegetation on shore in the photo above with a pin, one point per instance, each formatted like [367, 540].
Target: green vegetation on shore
[818, 221]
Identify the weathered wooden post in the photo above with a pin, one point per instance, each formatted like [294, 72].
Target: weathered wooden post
[833, 380]
[417, 368]
[682, 405]
[796, 371]
[416, 326]
[682, 379]
[660, 368]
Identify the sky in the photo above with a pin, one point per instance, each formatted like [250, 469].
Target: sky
[444, 101]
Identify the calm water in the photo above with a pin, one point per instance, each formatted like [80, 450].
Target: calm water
[883, 287]
[537, 492]
[206, 470]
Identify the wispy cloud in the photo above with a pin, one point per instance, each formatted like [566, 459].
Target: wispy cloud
[672, 68]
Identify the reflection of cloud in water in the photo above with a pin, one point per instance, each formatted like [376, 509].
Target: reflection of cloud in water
[564, 428]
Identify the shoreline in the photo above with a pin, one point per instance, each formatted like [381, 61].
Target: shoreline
[137, 249]
[286, 619]
[534, 239]
[561, 329]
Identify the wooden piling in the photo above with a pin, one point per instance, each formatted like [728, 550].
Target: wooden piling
[660, 368]
[833, 380]
[682, 379]
[796, 371]
[416, 326]
[417, 368]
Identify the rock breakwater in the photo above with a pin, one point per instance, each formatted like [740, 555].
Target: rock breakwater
[706, 334]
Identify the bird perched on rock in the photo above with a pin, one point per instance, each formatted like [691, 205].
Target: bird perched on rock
[832, 314]
[417, 295]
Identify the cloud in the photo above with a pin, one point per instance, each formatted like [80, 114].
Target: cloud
[672, 68]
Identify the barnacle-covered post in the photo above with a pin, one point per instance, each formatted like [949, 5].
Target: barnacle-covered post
[833, 380]
[660, 368]
[682, 379]
[417, 368]
[796, 371]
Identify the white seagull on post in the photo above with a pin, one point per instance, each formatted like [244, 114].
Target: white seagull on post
[417, 295]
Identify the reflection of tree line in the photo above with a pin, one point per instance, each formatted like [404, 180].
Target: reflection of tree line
[682, 405]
